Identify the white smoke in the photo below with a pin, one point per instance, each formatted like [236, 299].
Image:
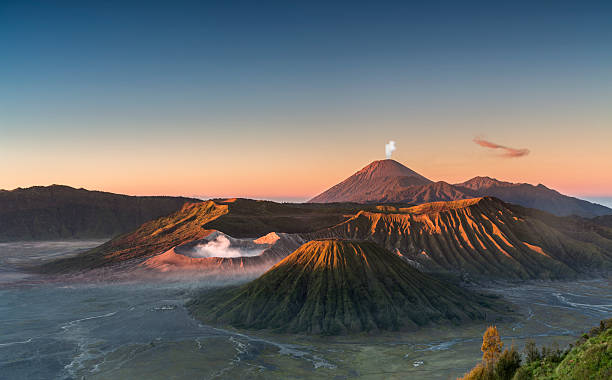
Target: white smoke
[221, 247]
[389, 148]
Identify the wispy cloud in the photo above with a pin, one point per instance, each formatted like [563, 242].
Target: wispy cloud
[507, 151]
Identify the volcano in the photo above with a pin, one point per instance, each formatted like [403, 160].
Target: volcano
[388, 181]
[373, 183]
[337, 287]
[484, 238]
[238, 218]
[481, 238]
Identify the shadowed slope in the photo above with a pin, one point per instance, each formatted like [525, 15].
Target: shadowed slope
[156, 236]
[336, 287]
[62, 212]
[605, 220]
[524, 194]
[485, 238]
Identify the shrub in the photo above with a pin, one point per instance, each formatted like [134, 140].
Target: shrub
[495, 365]
[532, 354]
[507, 364]
[552, 354]
[523, 373]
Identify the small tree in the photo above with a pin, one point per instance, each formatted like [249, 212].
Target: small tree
[491, 346]
[532, 353]
[495, 364]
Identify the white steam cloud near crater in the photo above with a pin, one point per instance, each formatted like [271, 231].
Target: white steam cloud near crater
[221, 247]
[389, 148]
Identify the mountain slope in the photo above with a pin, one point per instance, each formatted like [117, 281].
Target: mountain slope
[62, 212]
[236, 217]
[389, 181]
[524, 194]
[372, 183]
[605, 220]
[336, 287]
[484, 238]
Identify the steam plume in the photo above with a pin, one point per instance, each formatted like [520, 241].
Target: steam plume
[507, 152]
[221, 247]
[389, 148]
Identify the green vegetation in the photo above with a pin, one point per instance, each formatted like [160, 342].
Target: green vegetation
[334, 287]
[589, 358]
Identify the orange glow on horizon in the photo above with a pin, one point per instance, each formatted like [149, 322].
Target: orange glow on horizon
[288, 167]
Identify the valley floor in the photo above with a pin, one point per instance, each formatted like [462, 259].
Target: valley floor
[141, 330]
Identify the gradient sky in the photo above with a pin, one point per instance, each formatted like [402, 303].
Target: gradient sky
[278, 100]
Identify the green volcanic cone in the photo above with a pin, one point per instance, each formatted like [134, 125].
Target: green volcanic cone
[338, 287]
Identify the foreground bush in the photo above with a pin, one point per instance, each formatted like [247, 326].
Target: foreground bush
[590, 358]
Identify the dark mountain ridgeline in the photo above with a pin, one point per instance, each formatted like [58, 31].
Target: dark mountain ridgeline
[538, 197]
[62, 212]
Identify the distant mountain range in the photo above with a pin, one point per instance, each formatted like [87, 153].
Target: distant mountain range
[62, 212]
[389, 181]
[333, 287]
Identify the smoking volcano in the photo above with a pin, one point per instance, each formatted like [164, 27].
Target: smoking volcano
[219, 253]
[339, 287]
[388, 181]
[220, 245]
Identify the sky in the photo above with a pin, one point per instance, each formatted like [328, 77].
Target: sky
[282, 100]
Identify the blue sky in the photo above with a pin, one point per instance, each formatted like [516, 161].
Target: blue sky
[250, 85]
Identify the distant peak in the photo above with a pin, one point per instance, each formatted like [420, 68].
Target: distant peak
[373, 180]
[387, 168]
[481, 182]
